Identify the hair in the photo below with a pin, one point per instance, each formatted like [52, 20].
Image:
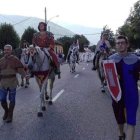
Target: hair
[45, 25]
[122, 37]
[8, 46]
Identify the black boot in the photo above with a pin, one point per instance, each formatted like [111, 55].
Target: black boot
[10, 112]
[5, 107]
[122, 137]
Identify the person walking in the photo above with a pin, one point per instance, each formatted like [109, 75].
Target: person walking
[10, 65]
[128, 68]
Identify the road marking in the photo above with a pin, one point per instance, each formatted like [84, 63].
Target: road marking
[83, 68]
[138, 87]
[76, 75]
[58, 95]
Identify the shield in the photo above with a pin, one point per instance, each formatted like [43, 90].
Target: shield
[112, 79]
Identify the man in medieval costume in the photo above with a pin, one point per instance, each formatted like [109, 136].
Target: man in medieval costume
[128, 68]
[10, 65]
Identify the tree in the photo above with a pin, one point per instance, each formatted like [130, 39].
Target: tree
[66, 41]
[111, 36]
[28, 34]
[8, 35]
[83, 41]
[131, 27]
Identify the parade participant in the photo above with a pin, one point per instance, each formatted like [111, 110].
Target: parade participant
[75, 45]
[10, 65]
[128, 68]
[18, 51]
[45, 39]
[103, 44]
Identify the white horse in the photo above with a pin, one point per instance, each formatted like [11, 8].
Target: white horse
[24, 60]
[40, 63]
[73, 59]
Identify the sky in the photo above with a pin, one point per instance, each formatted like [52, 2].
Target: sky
[91, 13]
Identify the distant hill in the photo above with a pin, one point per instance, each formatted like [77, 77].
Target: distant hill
[21, 23]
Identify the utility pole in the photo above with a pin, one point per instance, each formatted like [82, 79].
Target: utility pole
[45, 15]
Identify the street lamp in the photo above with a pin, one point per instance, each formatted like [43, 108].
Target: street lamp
[47, 22]
[52, 18]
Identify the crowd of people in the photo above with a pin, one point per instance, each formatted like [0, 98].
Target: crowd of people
[127, 64]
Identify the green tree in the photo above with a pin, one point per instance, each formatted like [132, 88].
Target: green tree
[28, 34]
[131, 27]
[83, 41]
[111, 36]
[8, 35]
[66, 41]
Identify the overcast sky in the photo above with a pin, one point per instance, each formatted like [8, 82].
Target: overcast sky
[92, 13]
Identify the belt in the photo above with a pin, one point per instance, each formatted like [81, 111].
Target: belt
[7, 76]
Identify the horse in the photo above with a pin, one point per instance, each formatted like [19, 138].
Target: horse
[73, 59]
[24, 60]
[49, 87]
[40, 64]
[22, 55]
[102, 55]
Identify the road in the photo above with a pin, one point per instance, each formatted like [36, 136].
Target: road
[79, 112]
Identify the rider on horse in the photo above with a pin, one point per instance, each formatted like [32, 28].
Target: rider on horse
[102, 45]
[45, 39]
[72, 47]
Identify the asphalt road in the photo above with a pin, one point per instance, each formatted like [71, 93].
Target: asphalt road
[79, 111]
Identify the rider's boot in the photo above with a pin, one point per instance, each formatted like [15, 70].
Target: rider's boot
[5, 107]
[10, 112]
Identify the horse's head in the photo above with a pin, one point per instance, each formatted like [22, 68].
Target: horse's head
[39, 58]
[32, 50]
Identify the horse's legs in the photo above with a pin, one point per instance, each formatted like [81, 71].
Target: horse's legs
[74, 66]
[70, 67]
[46, 93]
[42, 101]
[49, 89]
[27, 81]
[22, 81]
[101, 79]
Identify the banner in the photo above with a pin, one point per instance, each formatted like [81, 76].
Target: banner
[112, 79]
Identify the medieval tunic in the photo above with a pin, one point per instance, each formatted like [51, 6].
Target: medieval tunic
[128, 68]
[43, 39]
[46, 40]
[9, 66]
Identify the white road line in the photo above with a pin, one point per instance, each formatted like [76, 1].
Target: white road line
[83, 68]
[138, 87]
[76, 75]
[87, 64]
[57, 96]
